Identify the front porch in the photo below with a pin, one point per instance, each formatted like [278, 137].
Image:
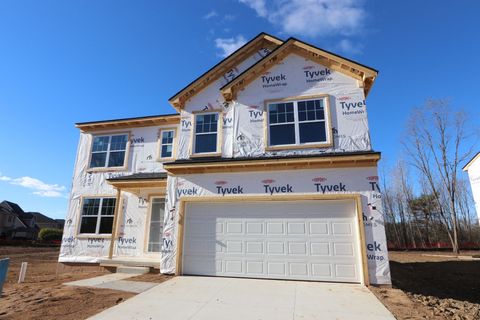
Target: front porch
[150, 189]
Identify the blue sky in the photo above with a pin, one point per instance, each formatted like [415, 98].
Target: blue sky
[63, 62]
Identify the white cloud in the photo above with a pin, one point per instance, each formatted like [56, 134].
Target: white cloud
[39, 187]
[228, 45]
[258, 5]
[312, 17]
[229, 17]
[347, 46]
[210, 15]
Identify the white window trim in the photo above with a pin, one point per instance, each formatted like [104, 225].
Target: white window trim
[218, 133]
[98, 216]
[296, 123]
[160, 144]
[106, 168]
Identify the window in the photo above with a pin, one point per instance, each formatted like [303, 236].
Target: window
[300, 122]
[109, 151]
[97, 215]
[156, 225]
[206, 132]
[166, 143]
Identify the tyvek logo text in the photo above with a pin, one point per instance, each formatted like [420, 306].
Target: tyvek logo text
[312, 75]
[270, 81]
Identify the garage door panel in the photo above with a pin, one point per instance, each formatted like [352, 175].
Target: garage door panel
[320, 249]
[264, 240]
[255, 228]
[254, 247]
[275, 228]
[255, 268]
[318, 228]
[342, 228]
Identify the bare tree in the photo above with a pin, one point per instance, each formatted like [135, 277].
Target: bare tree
[434, 144]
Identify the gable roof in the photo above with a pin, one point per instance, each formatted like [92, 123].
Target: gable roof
[41, 218]
[469, 163]
[11, 207]
[333, 61]
[261, 40]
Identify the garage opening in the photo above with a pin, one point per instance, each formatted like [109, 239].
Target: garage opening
[314, 240]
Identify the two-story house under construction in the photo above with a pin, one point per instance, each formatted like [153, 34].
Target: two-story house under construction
[265, 171]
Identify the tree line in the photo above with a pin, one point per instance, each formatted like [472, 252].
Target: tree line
[427, 199]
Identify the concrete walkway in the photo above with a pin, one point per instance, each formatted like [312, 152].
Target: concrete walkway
[114, 281]
[211, 298]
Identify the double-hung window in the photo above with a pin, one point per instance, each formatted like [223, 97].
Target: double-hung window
[206, 125]
[166, 143]
[109, 151]
[298, 123]
[97, 216]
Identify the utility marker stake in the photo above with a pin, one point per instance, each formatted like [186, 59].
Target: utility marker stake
[23, 271]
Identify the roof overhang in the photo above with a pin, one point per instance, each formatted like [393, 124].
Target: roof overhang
[160, 120]
[365, 75]
[273, 164]
[263, 40]
[469, 163]
[137, 183]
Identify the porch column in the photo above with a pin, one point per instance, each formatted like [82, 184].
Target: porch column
[114, 227]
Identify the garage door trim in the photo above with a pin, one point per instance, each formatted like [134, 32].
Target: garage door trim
[355, 197]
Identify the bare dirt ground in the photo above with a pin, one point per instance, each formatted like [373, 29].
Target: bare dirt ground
[424, 287]
[429, 285]
[42, 295]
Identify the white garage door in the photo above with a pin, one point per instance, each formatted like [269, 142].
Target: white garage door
[303, 240]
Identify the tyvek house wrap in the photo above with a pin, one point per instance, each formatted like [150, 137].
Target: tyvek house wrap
[243, 119]
[142, 157]
[242, 136]
[312, 181]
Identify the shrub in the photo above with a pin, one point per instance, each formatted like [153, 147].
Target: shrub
[50, 234]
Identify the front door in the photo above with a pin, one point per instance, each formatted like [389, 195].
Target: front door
[155, 227]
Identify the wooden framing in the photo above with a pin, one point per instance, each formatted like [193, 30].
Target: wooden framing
[166, 120]
[127, 151]
[135, 186]
[174, 144]
[79, 217]
[266, 164]
[328, 124]
[261, 41]
[218, 152]
[255, 198]
[118, 204]
[364, 75]
[469, 163]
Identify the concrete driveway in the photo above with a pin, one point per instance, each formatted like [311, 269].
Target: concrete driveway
[212, 298]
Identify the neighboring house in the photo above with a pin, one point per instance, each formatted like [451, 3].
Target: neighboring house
[473, 169]
[42, 221]
[15, 223]
[267, 171]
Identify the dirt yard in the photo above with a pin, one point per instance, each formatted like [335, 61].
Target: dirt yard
[424, 287]
[42, 295]
[428, 285]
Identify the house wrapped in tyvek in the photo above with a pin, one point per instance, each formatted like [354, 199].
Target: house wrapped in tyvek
[265, 171]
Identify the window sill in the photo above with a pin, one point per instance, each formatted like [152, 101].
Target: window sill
[165, 159]
[93, 235]
[107, 169]
[206, 154]
[296, 147]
